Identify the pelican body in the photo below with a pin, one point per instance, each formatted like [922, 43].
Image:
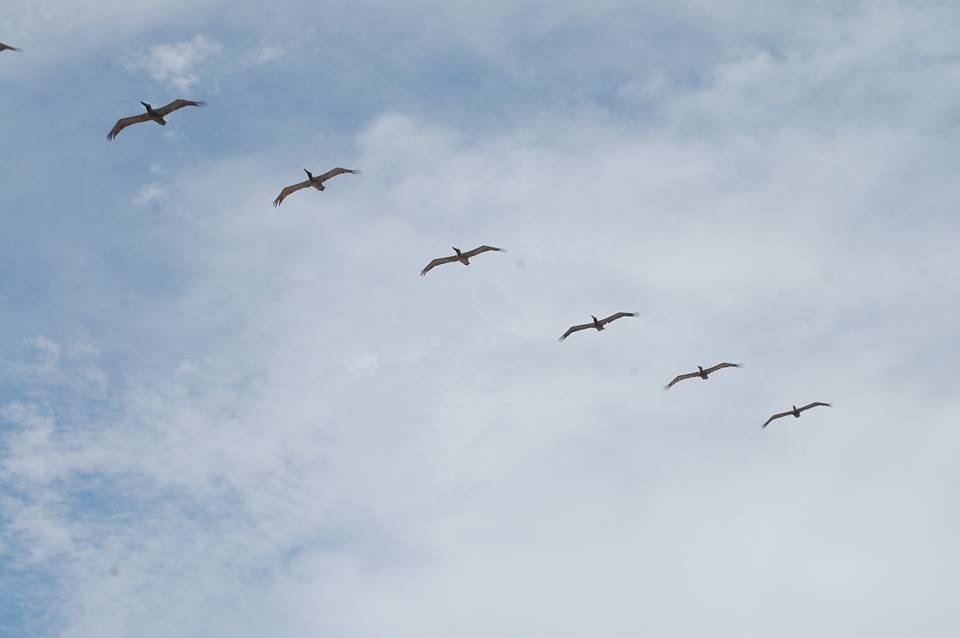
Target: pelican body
[462, 257]
[596, 324]
[795, 411]
[315, 181]
[153, 115]
[703, 374]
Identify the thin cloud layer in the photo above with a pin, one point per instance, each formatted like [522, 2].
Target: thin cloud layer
[298, 435]
[176, 65]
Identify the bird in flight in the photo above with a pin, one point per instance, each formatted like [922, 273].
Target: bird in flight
[152, 114]
[316, 182]
[7, 47]
[703, 374]
[796, 411]
[598, 324]
[463, 258]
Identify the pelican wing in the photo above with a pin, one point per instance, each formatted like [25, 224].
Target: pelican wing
[572, 329]
[123, 123]
[336, 171]
[721, 366]
[482, 249]
[813, 405]
[436, 262]
[612, 318]
[7, 47]
[293, 188]
[178, 104]
[681, 377]
[778, 415]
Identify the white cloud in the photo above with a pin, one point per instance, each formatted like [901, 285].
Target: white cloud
[262, 55]
[323, 443]
[177, 65]
[151, 194]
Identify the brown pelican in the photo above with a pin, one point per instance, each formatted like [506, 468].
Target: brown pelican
[316, 182]
[597, 323]
[7, 47]
[703, 374]
[795, 411]
[153, 114]
[463, 258]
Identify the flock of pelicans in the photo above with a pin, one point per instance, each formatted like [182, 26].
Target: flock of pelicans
[317, 181]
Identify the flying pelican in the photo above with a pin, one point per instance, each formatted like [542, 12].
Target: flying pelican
[463, 258]
[316, 182]
[156, 115]
[703, 374]
[7, 47]
[597, 323]
[796, 411]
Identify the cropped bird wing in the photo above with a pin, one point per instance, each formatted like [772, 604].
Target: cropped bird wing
[612, 318]
[481, 249]
[336, 171]
[721, 366]
[813, 405]
[293, 188]
[776, 416]
[681, 377]
[7, 47]
[572, 329]
[123, 123]
[178, 104]
[436, 262]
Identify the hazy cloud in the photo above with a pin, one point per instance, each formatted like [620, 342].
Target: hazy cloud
[178, 65]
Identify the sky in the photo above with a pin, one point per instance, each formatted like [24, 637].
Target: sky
[220, 418]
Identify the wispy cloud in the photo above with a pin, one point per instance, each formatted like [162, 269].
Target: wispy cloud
[262, 55]
[177, 65]
[151, 194]
[300, 427]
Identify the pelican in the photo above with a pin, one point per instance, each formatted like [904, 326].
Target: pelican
[7, 47]
[597, 323]
[796, 411]
[316, 182]
[703, 374]
[153, 114]
[463, 258]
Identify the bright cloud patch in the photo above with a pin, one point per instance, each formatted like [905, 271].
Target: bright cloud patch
[177, 65]
[262, 55]
[149, 194]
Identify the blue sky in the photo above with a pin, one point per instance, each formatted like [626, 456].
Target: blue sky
[219, 418]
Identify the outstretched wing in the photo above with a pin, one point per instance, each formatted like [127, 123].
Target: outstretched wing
[336, 171]
[178, 104]
[681, 377]
[293, 188]
[572, 329]
[721, 366]
[776, 416]
[436, 262]
[813, 405]
[7, 47]
[125, 122]
[482, 249]
[617, 316]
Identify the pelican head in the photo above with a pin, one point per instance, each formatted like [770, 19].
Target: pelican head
[309, 174]
[456, 250]
[796, 412]
[146, 106]
[702, 373]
